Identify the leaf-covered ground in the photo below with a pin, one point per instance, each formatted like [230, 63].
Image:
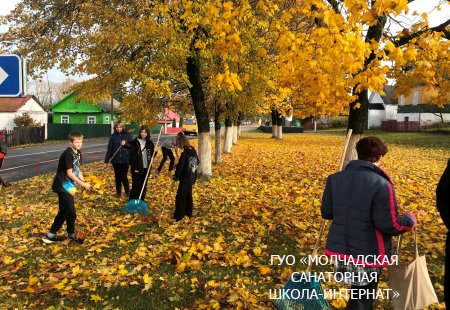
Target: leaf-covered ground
[263, 200]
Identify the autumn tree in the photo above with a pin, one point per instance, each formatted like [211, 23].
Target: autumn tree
[147, 46]
[352, 49]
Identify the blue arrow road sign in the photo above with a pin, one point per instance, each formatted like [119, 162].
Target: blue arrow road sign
[10, 76]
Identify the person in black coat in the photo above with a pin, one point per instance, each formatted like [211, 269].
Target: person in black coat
[443, 205]
[141, 152]
[361, 202]
[186, 173]
[119, 158]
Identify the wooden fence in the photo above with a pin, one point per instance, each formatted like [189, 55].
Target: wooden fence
[24, 135]
[400, 126]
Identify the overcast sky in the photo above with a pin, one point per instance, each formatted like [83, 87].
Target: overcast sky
[428, 6]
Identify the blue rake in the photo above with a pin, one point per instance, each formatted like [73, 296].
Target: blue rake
[136, 206]
[139, 205]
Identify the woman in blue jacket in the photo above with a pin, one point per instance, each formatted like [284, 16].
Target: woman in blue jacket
[361, 202]
[119, 158]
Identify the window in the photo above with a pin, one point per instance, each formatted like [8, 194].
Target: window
[64, 119]
[107, 119]
[406, 119]
[402, 100]
[416, 98]
[91, 119]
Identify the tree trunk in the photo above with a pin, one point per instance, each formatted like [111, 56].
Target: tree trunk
[217, 146]
[235, 133]
[274, 123]
[279, 127]
[239, 127]
[228, 139]
[201, 113]
[357, 120]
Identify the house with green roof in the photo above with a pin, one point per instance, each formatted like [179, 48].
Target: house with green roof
[69, 110]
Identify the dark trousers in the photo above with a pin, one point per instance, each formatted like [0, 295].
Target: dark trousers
[364, 303]
[2, 159]
[183, 201]
[66, 214]
[138, 181]
[167, 153]
[120, 175]
[447, 272]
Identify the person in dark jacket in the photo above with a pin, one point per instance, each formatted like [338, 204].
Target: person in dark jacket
[362, 204]
[186, 173]
[141, 152]
[443, 205]
[166, 149]
[119, 158]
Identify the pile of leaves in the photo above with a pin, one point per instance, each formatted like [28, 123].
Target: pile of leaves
[263, 200]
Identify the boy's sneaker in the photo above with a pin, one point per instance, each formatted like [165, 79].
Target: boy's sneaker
[49, 240]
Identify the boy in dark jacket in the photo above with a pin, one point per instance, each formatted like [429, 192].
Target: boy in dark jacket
[186, 173]
[67, 176]
[361, 202]
[119, 158]
[141, 152]
[443, 205]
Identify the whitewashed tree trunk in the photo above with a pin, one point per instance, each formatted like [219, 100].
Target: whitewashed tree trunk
[228, 140]
[351, 149]
[274, 131]
[235, 134]
[204, 154]
[279, 132]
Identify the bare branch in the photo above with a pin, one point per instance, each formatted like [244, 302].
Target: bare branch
[440, 28]
[335, 5]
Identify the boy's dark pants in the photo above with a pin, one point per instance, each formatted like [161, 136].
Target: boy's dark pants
[66, 213]
[183, 201]
[167, 153]
[138, 180]
[120, 174]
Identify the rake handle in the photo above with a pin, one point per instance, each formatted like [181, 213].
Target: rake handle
[324, 221]
[150, 165]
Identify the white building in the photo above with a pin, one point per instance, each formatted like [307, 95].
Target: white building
[12, 107]
[382, 108]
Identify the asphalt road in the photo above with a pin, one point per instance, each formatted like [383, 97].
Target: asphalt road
[28, 162]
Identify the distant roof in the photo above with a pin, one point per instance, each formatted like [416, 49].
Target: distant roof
[388, 98]
[171, 114]
[69, 104]
[423, 108]
[106, 105]
[376, 106]
[9, 104]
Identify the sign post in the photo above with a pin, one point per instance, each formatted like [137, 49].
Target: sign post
[11, 76]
